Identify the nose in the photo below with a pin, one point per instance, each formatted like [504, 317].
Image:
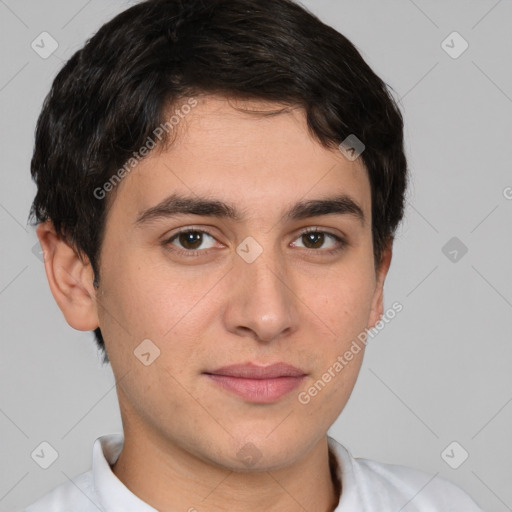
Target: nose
[261, 303]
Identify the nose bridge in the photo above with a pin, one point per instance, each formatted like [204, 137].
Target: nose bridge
[263, 300]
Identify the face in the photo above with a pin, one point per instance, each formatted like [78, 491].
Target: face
[244, 285]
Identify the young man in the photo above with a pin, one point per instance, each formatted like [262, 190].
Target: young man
[219, 184]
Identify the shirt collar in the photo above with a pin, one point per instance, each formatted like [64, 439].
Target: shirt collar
[350, 498]
[112, 494]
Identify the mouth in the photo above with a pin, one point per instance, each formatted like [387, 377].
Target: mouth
[258, 384]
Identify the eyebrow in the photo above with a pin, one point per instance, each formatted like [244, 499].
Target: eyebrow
[177, 204]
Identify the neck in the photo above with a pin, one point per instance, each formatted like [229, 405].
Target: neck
[171, 479]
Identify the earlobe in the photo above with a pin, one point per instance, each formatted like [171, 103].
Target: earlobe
[378, 298]
[70, 279]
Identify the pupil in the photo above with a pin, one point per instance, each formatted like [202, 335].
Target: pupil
[191, 238]
[311, 237]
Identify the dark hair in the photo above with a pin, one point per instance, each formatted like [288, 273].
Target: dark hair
[114, 92]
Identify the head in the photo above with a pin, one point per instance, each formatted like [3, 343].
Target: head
[222, 119]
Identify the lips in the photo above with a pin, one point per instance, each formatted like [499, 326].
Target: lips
[253, 371]
[258, 384]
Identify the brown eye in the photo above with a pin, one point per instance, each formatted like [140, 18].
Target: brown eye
[192, 240]
[315, 239]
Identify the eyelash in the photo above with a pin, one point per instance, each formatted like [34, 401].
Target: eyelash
[198, 252]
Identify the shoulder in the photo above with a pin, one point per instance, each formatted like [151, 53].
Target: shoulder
[380, 486]
[76, 494]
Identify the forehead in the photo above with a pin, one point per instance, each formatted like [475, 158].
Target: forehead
[253, 153]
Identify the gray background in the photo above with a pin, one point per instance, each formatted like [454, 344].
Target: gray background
[438, 373]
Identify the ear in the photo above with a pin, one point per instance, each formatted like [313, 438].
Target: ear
[378, 296]
[70, 279]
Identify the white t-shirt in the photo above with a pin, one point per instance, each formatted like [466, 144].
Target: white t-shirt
[367, 486]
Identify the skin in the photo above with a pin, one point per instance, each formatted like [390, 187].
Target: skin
[295, 303]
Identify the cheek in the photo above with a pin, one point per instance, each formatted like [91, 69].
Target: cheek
[147, 299]
[342, 299]
[342, 311]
